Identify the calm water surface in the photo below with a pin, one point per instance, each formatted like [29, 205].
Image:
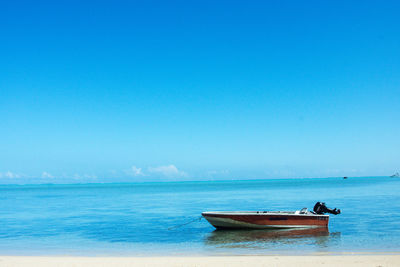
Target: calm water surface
[133, 219]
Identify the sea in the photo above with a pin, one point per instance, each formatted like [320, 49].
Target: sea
[164, 218]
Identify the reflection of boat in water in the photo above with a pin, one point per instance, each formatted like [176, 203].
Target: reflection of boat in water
[230, 236]
[271, 219]
[267, 238]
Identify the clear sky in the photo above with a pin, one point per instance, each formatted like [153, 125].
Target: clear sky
[164, 90]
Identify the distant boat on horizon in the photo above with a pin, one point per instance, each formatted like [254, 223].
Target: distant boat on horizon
[395, 175]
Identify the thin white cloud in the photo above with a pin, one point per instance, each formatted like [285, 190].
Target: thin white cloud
[90, 176]
[218, 172]
[47, 175]
[168, 171]
[137, 171]
[84, 176]
[10, 175]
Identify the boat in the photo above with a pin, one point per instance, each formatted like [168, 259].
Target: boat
[271, 219]
[396, 175]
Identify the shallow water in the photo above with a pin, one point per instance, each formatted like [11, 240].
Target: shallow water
[133, 219]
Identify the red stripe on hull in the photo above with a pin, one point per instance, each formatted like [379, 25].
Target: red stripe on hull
[283, 220]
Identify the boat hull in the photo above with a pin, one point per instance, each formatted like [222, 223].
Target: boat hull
[265, 221]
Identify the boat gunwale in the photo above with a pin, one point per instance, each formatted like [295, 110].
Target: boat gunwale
[259, 213]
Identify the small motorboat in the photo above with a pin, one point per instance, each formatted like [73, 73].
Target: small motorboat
[271, 219]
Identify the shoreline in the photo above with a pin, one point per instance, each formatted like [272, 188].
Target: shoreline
[350, 259]
[204, 255]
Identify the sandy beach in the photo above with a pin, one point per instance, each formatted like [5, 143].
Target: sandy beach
[298, 261]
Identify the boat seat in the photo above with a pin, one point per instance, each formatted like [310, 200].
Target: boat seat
[303, 211]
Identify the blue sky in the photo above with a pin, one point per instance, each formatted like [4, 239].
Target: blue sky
[189, 90]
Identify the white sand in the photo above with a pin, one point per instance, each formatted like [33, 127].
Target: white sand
[247, 261]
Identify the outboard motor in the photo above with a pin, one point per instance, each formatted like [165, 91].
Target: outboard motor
[321, 208]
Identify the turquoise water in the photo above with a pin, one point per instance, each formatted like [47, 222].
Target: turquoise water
[133, 219]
